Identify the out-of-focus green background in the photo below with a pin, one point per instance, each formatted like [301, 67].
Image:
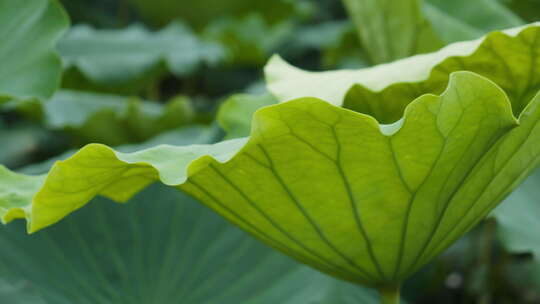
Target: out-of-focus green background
[142, 72]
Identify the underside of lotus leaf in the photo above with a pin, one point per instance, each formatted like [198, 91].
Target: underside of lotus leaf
[335, 189]
[509, 58]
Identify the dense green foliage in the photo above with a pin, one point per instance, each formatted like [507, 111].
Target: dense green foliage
[368, 175]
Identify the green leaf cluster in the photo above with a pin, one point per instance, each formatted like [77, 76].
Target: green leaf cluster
[449, 161]
[366, 175]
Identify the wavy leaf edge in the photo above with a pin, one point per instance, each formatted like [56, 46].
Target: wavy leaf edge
[414, 69]
[99, 170]
[32, 211]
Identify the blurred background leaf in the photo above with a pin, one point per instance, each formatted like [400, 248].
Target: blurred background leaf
[518, 224]
[391, 30]
[459, 20]
[112, 58]
[114, 120]
[29, 31]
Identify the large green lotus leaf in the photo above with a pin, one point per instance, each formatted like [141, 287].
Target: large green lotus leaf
[391, 30]
[175, 222]
[112, 119]
[326, 185]
[162, 247]
[117, 57]
[508, 58]
[29, 31]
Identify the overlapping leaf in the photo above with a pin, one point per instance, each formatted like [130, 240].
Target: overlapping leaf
[392, 30]
[168, 242]
[161, 247]
[330, 187]
[508, 58]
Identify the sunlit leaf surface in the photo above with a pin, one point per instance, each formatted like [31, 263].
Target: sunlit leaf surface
[331, 187]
